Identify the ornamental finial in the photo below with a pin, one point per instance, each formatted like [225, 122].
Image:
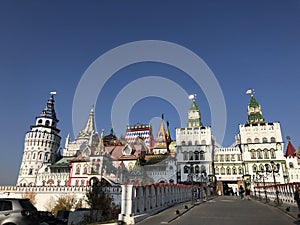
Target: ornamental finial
[250, 92]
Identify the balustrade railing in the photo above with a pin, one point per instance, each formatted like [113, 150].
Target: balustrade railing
[279, 193]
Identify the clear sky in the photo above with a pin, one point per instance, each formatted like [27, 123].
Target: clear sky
[49, 45]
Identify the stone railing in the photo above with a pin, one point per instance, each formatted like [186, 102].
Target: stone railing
[141, 201]
[279, 193]
[46, 194]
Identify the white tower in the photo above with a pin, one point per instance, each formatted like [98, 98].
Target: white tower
[41, 145]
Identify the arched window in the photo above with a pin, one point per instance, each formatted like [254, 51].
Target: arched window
[266, 154]
[256, 140]
[185, 156]
[77, 183]
[273, 140]
[217, 170]
[196, 155]
[77, 169]
[253, 155]
[203, 169]
[254, 168]
[85, 169]
[40, 121]
[291, 165]
[185, 169]
[234, 170]
[216, 158]
[265, 140]
[240, 170]
[183, 143]
[222, 170]
[192, 169]
[249, 140]
[47, 122]
[190, 143]
[228, 171]
[202, 156]
[196, 142]
[259, 154]
[191, 155]
[261, 167]
[203, 142]
[273, 155]
[197, 169]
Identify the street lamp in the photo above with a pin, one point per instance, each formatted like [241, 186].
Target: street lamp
[259, 176]
[247, 179]
[274, 168]
[212, 182]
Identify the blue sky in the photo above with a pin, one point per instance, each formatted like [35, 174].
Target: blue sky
[48, 45]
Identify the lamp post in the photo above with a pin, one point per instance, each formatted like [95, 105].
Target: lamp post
[212, 183]
[274, 169]
[260, 176]
[191, 179]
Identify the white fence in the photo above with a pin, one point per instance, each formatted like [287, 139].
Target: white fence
[45, 195]
[279, 193]
[141, 201]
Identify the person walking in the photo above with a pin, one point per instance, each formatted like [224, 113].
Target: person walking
[241, 192]
[247, 192]
[297, 198]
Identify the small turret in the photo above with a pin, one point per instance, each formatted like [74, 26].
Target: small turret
[194, 116]
[254, 110]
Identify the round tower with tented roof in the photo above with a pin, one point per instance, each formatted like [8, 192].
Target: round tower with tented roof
[41, 145]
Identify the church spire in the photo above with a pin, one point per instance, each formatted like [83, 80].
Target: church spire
[89, 126]
[194, 117]
[254, 110]
[49, 110]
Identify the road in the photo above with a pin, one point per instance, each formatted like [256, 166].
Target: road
[228, 210]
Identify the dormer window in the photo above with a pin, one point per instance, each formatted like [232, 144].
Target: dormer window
[126, 151]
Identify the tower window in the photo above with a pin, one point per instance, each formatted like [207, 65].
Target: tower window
[266, 154]
[273, 156]
[47, 123]
[40, 121]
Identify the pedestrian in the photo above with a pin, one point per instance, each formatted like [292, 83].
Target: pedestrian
[241, 192]
[297, 198]
[247, 193]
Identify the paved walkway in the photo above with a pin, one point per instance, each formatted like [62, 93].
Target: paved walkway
[171, 213]
[178, 210]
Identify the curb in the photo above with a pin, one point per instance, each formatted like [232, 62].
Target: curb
[187, 209]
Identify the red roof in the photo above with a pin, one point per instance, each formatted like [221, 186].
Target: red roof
[290, 150]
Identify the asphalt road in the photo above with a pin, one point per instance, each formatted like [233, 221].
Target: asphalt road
[227, 210]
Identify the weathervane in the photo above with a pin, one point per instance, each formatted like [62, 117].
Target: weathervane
[53, 93]
[192, 96]
[250, 92]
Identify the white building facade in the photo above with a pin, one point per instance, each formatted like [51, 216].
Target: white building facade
[262, 148]
[41, 145]
[195, 149]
